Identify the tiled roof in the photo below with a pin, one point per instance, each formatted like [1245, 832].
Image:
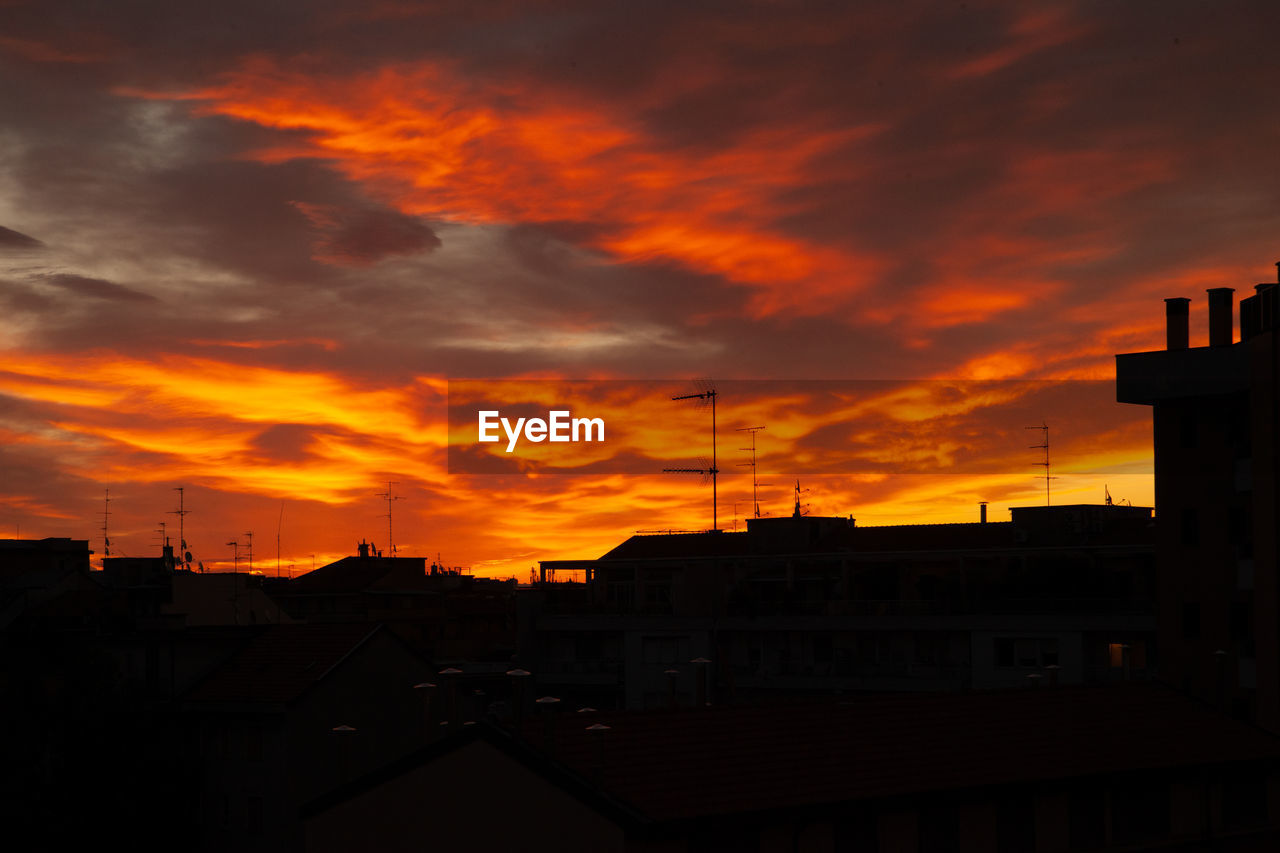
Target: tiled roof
[279, 664]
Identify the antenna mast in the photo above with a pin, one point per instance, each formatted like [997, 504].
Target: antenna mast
[1044, 427]
[755, 483]
[279, 524]
[250, 535]
[181, 513]
[706, 396]
[800, 510]
[106, 513]
[388, 497]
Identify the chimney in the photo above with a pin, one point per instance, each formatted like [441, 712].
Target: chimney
[1176, 313]
[363, 548]
[982, 512]
[1221, 329]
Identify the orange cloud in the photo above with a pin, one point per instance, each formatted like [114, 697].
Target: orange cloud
[444, 147]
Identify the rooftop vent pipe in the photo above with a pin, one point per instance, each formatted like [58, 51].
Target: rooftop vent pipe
[1221, 328]
[1177, 311]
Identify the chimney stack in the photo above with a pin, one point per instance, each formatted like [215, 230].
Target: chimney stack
[982, 512]
[1221, 322]
[1177, 312]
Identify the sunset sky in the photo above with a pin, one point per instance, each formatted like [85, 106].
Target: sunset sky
[244, 248]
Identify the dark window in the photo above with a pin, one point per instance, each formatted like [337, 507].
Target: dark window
[1241, 440]
[939, 830]
[657, 596]
[1140, 811]
[1242, 627]
[253, 743]
[1241, 526]
[823, 650]
[1244, 798]
[725, 837]
[1016, 825]
[1087, 819]
[253, 815]
[857, 831]
[1004, 651]
[1026, 652]
[1190, 620]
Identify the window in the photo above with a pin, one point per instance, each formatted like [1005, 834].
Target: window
[939, 830]
[622, 595]
[253, 742]
[665, 650]
[823, 649]
[857, 831]
[253, 815]
[1190, 620]
[1016, 824]
[657, 596]
[1244, 798]
[1140, 811]
[1026, 652]
[1087, 819]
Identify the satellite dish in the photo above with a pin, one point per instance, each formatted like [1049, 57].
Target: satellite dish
[187, 557]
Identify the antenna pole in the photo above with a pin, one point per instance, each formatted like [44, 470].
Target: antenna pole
[755, 482]
[715, 502]
[181, 513]
[250, 535]
[707, 396]
[1044, 427]
[279, 523]
[106, 513]
[388, 497]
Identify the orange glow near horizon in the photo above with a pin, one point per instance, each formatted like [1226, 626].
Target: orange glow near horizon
[199, 423]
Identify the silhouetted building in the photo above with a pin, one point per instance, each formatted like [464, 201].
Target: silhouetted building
[298, 710]
[33, 571]
[805, 604]
[1216, 422]
[1094, 768]
[441, 612]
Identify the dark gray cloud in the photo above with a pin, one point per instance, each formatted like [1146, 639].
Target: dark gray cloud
[16, 240]
[97, 288]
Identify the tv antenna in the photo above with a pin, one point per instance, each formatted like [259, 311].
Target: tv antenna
[388, 497]
[279, 524]
[755, 484]
[1044, 427]
[707, 396]
[164, 538]
[250, 535]
[106, 513]
[235, 556]
[181, 512]
[799, 511]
